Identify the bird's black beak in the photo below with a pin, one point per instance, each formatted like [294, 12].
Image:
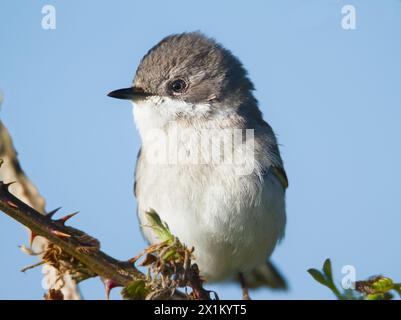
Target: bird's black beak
[129, 93]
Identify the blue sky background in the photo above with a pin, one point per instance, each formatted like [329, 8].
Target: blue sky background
[332, 96]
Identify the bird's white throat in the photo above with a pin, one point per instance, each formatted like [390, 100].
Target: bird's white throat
[168, 139]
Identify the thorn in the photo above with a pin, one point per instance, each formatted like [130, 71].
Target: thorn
[52, 213]
[32, 237]
[11, 204]
[109, 285]
[67, 217]
[134, 259]
[60, 234]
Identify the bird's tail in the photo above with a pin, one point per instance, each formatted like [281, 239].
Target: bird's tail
[265, 275]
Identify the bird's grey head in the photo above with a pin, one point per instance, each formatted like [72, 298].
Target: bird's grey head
[189, 69]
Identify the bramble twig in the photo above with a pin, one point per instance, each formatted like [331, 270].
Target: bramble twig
[73, 251]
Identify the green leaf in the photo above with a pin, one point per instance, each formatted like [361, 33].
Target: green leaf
[170, 254]
[379, 296]
[326, 278]
[327, 270]
[136, 290]
[318, 276]
[382, 285]
[159, 226]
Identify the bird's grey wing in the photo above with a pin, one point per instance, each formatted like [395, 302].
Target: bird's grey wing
[267, 274]
[270, 144]
[280, 174]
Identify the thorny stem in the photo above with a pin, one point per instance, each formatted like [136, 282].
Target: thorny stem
[78, 244]
[103, 265]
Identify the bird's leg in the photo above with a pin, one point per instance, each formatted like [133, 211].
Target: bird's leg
[245, 291]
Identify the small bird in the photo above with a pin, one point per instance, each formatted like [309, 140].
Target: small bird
[194, 107]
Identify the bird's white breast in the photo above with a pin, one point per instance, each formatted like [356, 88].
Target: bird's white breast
[233, 221]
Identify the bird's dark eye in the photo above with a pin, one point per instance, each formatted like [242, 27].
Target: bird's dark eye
[178, 86]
